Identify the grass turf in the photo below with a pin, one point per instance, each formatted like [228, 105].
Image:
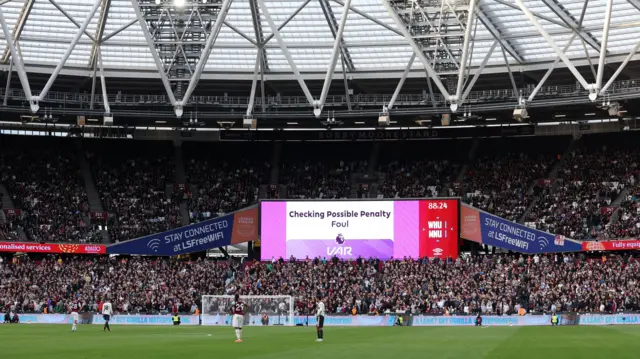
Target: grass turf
[123, 342]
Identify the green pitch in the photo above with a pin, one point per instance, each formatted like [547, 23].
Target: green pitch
[58, 342]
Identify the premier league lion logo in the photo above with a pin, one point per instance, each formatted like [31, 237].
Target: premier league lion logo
[340, 239]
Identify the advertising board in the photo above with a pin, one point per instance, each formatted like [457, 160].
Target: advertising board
[352, 229]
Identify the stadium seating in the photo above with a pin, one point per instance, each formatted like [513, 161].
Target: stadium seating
[585, 189]
[132, 180]
[322, 171]
[502, 179]
[489, 284]
[222, 184]
[44, 180]
[418, 169]
[594, 175]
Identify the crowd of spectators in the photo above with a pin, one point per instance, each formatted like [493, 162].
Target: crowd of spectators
[132, 185]
[8, 230]
[578, 203]
[45, 182]
[322, 171]
[223, 184]
[499, 284]
[415, 170]
[502, 179]
[627, 224]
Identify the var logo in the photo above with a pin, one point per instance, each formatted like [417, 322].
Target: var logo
[339, 251]
[154, 244]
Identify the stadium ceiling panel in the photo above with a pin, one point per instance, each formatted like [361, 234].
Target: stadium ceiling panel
[183, 41]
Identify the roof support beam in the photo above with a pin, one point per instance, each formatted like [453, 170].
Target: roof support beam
[584, 46]
[571, 23]
[620, 68]
[603, 53]
[204, 57]
[635, 3]
[119, 30]
[465, 53]
[513, 81]
[259, 35]
[156, 57]
[539, 16]
[557, 61]
[295, 13]
[65, 57]
[102, 21]
[478, 73]
[254, 85]
[237, 31]
[66, 14]
[394, 97]
[93, 85]
[369, 17]
[6, 90]
[103, 84]
[417, 50]
[345, 81]
[263, 66]
[488, 24]
[17, 61]
[276, 33]
[17, 29]
[555, 47]
[548, 73]
[333, 26]
[317, 111]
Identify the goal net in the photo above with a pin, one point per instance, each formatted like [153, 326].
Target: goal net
[276, 309]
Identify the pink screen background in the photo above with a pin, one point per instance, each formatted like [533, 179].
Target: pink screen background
[273, 230]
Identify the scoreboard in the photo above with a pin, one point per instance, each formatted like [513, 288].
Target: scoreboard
[383, 229]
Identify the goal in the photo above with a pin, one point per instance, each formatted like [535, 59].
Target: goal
[278, 308]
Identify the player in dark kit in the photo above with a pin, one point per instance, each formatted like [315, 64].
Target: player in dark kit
[237, 309]
[320, 319]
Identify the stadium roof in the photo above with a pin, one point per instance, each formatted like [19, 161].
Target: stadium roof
[373, 43]
[379, 39]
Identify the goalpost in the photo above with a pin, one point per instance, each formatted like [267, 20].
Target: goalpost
[279, 308]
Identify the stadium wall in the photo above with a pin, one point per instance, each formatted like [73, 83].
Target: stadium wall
[345, 321]
[337, 320]
[146, 320]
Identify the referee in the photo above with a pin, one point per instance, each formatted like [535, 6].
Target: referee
[320, 319]
[107, 311]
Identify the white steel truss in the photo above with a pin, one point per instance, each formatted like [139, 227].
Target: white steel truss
[453, 41]
[17, 30]
[181, 39]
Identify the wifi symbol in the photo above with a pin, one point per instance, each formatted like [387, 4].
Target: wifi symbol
[543, 242]
[154, 244]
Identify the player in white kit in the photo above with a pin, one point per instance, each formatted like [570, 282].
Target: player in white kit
[237, 308]
[107, 312]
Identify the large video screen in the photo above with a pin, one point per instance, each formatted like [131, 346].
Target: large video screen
[382, 229]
